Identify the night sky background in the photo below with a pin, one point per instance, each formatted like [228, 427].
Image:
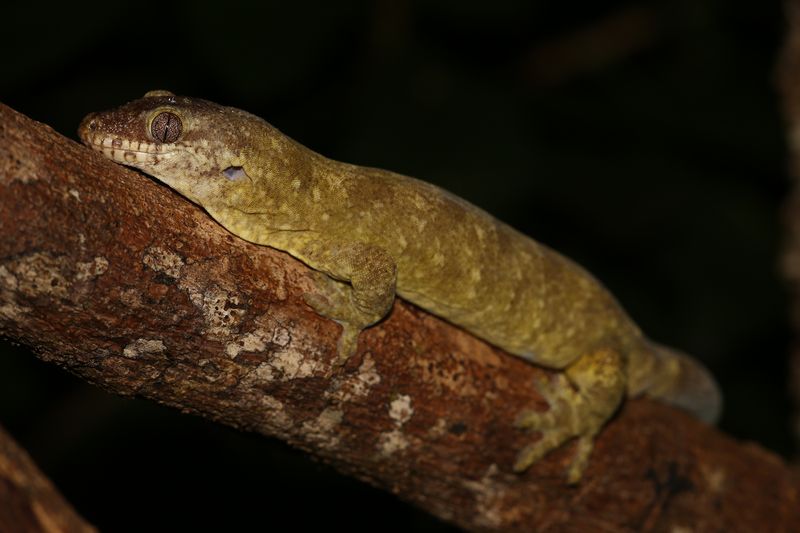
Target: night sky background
[643, 139]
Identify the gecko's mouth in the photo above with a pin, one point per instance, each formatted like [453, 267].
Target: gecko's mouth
[125, 151]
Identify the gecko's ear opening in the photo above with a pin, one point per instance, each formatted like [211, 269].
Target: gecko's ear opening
[235, 173]
[156, 93]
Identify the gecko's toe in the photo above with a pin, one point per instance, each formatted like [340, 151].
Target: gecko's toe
[531, 453]
[583, 451]
[537, 420]
[348, 343]
[552, 440]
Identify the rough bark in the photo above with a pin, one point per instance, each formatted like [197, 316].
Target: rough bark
[126, 284]
[28, 501]
[789, 83]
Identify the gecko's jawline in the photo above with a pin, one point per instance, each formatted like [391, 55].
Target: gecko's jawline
[122, 154]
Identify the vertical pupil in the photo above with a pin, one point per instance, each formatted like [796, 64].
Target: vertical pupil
[169, 127]
[166, 127]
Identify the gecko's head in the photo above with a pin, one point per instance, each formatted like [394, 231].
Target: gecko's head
[195, 146]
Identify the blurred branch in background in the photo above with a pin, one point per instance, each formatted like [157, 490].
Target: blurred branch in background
[595, 47]
[28, 501]
[789, 83]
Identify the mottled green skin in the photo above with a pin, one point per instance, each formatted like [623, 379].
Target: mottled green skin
[373, 233]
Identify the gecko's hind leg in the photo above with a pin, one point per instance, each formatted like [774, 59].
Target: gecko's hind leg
[581, 399]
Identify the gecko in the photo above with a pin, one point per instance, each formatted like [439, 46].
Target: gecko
[370, 235]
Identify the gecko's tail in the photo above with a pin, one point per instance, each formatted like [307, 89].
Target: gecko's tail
[679, 380]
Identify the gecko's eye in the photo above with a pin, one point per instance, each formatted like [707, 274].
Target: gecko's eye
[166, 127]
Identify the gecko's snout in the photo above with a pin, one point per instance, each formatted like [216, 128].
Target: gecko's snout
[87, 125]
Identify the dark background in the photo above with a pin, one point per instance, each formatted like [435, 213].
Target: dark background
[641, 138]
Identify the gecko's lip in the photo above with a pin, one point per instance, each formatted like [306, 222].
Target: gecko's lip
[125, 151]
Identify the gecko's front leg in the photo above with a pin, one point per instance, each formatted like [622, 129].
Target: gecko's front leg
[581, 399]
[355, 287]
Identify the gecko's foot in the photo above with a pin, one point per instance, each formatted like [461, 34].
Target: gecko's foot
[581, 400]
[561, 423]
[333, 300]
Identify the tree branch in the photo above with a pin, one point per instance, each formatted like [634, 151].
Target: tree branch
[28, 501]
[126, 284]
[789, 84]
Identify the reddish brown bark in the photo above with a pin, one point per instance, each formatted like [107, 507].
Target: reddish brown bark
[28, 501]
[124, 283]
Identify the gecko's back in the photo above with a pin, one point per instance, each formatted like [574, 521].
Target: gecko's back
[457, 261]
